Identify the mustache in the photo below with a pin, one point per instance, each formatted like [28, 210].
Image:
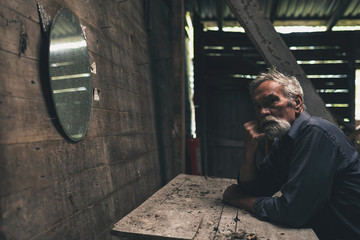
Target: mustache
[268, 119]
[274, 127]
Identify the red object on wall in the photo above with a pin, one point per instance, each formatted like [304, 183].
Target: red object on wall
[193, 161]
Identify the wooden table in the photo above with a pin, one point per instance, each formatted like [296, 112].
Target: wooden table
[190, 207]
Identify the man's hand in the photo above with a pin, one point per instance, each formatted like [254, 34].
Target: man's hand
[236, 197]
[252, 135]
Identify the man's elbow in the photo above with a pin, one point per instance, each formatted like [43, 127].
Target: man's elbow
[278, 210]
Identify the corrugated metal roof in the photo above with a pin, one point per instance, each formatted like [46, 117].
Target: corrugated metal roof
[327, 12]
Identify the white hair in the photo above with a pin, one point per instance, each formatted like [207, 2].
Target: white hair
[291, 85]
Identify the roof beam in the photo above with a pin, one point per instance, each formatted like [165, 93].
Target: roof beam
[274, 50]
[340, 10]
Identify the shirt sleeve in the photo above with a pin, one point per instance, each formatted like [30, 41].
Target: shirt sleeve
[308, 186]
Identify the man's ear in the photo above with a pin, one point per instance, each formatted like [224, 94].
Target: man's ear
[298, 103]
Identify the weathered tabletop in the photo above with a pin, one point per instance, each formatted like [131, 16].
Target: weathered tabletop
[190, 207]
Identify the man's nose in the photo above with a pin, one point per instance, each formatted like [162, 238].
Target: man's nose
[264, 111]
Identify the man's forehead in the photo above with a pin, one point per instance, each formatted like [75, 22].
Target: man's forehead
[269, 96]
[268, 88]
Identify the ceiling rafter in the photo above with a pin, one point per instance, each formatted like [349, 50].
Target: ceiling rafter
[286, 12]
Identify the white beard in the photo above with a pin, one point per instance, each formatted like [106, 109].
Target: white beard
[275, 127]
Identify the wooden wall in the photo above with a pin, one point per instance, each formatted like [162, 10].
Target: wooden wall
[51, 188]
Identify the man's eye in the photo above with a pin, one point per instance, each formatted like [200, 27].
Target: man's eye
[271, 102]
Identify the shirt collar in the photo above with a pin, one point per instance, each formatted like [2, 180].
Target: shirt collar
[296, 125]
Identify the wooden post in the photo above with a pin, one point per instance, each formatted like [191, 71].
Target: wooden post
[275, 52]
[178, 86]
[200, 94]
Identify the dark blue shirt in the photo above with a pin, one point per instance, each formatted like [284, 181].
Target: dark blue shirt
[317, 170]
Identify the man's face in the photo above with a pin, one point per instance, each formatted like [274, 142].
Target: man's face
[275, 112]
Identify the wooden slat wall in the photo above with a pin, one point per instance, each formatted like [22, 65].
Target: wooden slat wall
[51, 188]
[341, 47]
[239, 56]
[229, 61]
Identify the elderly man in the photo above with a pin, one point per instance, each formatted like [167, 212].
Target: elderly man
[311, 162]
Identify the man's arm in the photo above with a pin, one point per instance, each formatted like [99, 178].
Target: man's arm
[252, 136]
[236, 197]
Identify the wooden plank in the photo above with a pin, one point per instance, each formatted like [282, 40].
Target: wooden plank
[326, 69]
[174, 213]
[216, 38]
[53, 162]
[190, 207]
[26, 115]
[35, 113]
[330, 83]
[242, 52]
[211, 204]
[342, 112]
[178, 65]
[218, 142]
[226, 70]
[227, 225]
[236, 222]
[321, 54]
[104, 67]
[150, 221]
[343, 38]
[26, 9]
[230, 62]
[275, 51]
[228, 42]
[19, 35]
[222, 81]
[336, 97]
[21, 77]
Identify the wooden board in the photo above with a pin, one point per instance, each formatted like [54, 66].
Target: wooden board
[190, 207]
